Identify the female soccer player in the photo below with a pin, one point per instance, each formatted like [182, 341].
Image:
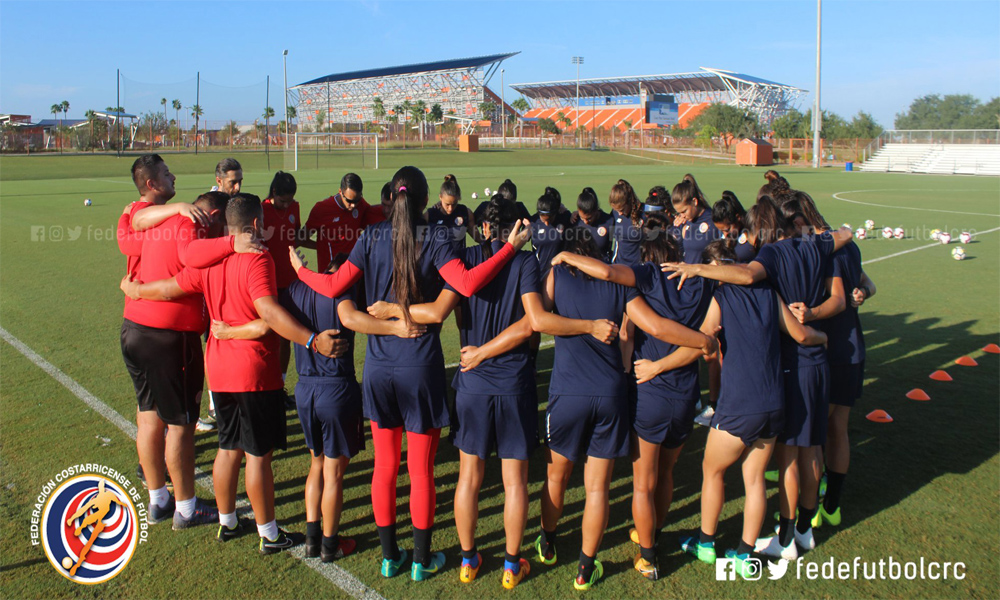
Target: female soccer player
[404, 380]
[728, 217]
[662, 408]
[587, 414]
[751, 409]
[328, 400]
[626, 210]
[548, 226]
[796, 267]
[452, 215]
[694, 219]
[495, 404]
[600, 223]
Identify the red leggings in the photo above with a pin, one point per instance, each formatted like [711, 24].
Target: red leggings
[420, 452]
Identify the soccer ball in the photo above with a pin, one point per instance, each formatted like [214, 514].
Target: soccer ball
[899, 233]
[487, 192]
[475, 195]
[87, 202]
[965, 237]
[887, 232]
[861, 233]
[870, 225]
[945, 237]
[935, 234]
[958, 253]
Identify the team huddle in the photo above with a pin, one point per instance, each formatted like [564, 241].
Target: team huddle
[767, 297]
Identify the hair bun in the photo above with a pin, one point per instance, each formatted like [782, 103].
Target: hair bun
[449, 177]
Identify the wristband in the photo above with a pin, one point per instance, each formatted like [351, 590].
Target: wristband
[310, 342]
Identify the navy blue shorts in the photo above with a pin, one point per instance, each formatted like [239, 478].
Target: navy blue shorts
[846, 383]
[507, 423]
[660, 420]
[414, 398]
[807, 401]
[750, 428]
[577, 426]
[330, 414]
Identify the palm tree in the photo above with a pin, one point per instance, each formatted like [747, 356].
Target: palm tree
[290, 114]
[55, 109]
[65, 108]
[436, 115]
[394, 117]
[419, 111]
[520, 105]
[628, 126]
[401, 110]
[196, 112]
[176, 104]
[163, 101]
[378, 109]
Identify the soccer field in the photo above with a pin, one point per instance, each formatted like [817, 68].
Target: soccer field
[924, 486]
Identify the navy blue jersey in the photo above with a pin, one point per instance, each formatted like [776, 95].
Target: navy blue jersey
[745, 252]
[319, 313]
[697, 234]
[584, 366]
[752, 381]
[457, 223]
[601, 229]
[373, 254]
[686, 306]
[486, 314]
[626, 237]
[846, 344]
[797, 268]
[547, 240]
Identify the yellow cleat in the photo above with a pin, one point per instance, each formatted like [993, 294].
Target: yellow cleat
[511, 579]
[468, 573]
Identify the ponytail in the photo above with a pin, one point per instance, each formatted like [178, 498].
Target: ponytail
[700, 197]
[409, 189]
[765, 222]
[624, 200]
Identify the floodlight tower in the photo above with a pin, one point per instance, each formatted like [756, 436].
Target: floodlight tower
[817, 112]
[284, 61]
[578, 60]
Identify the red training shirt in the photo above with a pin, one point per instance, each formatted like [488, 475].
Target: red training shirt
[338, 228]
[130, 240]
[280, 229]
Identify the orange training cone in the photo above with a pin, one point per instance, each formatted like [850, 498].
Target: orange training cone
[940, 376]
[966, 361]
[879, 416]
[992, 349]
[918, 394]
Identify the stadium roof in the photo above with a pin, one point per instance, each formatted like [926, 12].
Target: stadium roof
[706, 80]
[441, 65]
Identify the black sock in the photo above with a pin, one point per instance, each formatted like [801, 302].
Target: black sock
[649, 554]
[834, 485]
[548, 542]
[422, 546]
[704, 538]
[656, 537]
[785, 530]
[586, 568]
[387, 538]
[805, 518]
[512, 559]
[469, 555]
[314, 530]
[744, 548]
[330, 544]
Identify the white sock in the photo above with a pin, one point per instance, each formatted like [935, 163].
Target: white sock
[268, 531]
[283, 376]
[186, 507]
[159, 497]
[211, 402]
[228, 520]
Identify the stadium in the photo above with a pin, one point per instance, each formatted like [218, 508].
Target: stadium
[539, 407]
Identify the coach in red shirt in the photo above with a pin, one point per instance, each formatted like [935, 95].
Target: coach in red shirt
[339, 220]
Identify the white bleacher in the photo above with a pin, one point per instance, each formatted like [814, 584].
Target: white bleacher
[944, 159]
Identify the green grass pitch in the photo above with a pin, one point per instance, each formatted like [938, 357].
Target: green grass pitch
[922, 486]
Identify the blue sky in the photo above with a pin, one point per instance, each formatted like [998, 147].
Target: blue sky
[877, 55]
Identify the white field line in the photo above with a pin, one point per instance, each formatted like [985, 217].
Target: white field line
[950, 212]
[333, 573]
[934, 245]
[544, 344]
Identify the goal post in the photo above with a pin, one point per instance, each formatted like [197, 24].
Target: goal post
[334, 149]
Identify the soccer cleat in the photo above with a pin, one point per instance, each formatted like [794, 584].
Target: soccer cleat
[822, 486]
[704, 552]
[203, 515]
[633, 534]
[229, 533]
[419, 572]
[771, 546]
[207, 423]
[468, 572]
[541, 556]
[391, 567]
[159, 513]
[511, 579]
[771, 476]
[647, 569]
[598, 572]
[829, 518]
[806, 541]
[313, 546]
[743, 566]
[284, 541]
[705, 418]
[344, 548]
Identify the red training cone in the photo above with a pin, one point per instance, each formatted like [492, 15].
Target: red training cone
[992, 349]
[918, 394]
[966, 361]
[940, 376]
[879, 416]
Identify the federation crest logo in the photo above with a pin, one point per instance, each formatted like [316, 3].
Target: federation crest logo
[291, 219]
[90, 529]
[354, 213]
[459, 221]
[602, 231]
[703, 228]
[743, 238]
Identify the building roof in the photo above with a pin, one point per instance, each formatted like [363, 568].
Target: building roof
[59, 122]
[441, 65]
[706, 80]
